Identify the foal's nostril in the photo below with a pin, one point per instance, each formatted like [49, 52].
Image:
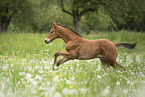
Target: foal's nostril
[46, 41]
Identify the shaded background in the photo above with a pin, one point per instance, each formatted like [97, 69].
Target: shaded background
[85, 16]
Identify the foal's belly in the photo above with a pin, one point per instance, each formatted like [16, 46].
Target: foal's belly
[86, 56]
[88, 51]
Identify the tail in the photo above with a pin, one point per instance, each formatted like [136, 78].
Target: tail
[127, 45]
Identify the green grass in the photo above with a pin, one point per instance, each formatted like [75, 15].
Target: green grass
[26, 68]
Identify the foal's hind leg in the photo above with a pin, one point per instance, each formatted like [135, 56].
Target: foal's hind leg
[105, 65]
[116, 65]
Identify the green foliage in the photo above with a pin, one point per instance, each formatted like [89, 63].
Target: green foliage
[37, 15]
[135, 15]
[117, 9]
[40, 18]
[21, 12]
[25, 13]
[99, 20]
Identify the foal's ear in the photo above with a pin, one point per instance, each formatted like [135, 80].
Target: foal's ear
[54, 24]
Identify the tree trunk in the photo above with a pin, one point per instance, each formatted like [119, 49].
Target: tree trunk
[76, 23]
[4, 23]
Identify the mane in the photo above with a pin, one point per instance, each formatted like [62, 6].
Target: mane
[70, 29]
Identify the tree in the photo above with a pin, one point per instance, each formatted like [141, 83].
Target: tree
[5, 18]
[21, 10]
[135, 15]
[77, 8]
[31, 15]
[46, 13]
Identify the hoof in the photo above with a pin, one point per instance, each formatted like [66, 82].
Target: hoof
[55, 67]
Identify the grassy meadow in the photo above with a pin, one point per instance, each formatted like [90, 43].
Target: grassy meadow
[26, 68]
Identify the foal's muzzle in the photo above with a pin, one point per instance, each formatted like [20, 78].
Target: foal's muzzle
[47, 41]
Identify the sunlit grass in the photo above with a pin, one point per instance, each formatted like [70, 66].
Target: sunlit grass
[26, 68]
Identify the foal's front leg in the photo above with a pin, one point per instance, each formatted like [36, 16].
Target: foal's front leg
[67, 56]
[57, 63]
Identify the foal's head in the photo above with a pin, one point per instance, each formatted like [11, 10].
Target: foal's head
[66, 33]
[53, 34]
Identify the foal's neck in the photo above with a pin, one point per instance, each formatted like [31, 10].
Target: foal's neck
[67, 35]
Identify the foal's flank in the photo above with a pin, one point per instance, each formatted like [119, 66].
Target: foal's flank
[83, 49]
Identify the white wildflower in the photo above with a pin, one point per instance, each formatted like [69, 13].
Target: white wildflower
[132, 83]
[125, 91]
[84, 82]
[128, 82]
[12, 65]
[50, 92]
[65, 90]
[43, 88]
[56, 78]
[118, 83]
[48, 82]
[69, 92]
[69, 82]
[8, 80]
[57, 94]
[73, 91]
[98, 76]
[73, 78]
[106, 91]
[34, 83]
[99, 67]
[83, 90]
[21, 73]
[38, 77]
[28, 76]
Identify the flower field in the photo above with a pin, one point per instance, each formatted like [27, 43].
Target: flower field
[26, 68]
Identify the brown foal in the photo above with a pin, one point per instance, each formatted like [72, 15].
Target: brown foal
[80, 48]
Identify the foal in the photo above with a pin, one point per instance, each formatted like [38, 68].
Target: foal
[80, 48]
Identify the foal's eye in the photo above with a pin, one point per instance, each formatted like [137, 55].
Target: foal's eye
[51, 31]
